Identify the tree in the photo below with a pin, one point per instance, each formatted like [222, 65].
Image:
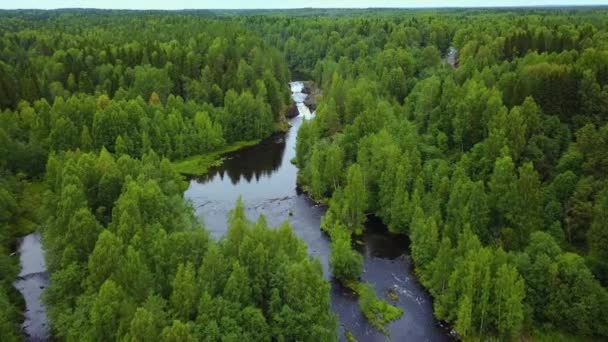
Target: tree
[425, 240]
[208, 135]
[346, 263]
[303, 143]
[439, 272]
[502, 193]
[509, 296]
[598, 237]
[143, 327]
[464, 320]
[213, 272]
[185, 292]
[149, 80]
[8, 318]
[86, 142]
[254, 326]
[245, 117]
[333, 169]
[107, 311]
[314, 170]
[355, 199]
[82, 232]
[177, 332]
[238, 288]
[133, 275]
[527, 212]
[104, 260]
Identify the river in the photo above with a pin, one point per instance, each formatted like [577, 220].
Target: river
[31, 282]
[266, 179]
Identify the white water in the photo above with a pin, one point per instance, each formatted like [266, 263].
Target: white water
[299, 97]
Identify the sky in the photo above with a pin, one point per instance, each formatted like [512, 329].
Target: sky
[249, 4]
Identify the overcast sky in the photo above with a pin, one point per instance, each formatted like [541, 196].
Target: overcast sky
[230, 4]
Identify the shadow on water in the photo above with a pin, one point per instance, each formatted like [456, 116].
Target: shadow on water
[377, 242]
[251, 163]
[265, 178]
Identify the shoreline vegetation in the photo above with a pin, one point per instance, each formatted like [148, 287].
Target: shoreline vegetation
[346, 263]
[28, 201]
[199, 165]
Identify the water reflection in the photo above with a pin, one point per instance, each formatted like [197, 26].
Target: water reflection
[250, 164]
[378, 242]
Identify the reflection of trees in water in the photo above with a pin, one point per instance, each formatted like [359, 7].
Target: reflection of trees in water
[254, 162]
[379, 242]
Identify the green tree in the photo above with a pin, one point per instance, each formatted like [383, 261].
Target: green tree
[355, 199]
[104, 260]
[346, 263]
[185, 292]
[109, 307]
[509, 296]
[143, 327]
[598, 237]
[177, 332]
[425, 240]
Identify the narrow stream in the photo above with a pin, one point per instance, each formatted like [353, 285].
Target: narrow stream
[31, 282]
[266, 179]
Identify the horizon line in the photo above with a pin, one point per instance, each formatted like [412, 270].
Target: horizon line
[311, 8]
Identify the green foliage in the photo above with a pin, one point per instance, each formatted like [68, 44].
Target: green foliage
[8, 316]
[481, 164]
[354, 200]
[598, 238]
[509, 293]
[377, 311]
[151, 272]
[346, 263]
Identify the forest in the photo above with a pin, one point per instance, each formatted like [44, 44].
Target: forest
[495, 167]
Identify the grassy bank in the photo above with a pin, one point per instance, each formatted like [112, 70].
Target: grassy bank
[199, 165]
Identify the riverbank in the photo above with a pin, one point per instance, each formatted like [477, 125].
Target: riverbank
[312, 92]
[199, 165]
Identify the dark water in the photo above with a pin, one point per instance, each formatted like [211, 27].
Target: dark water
[266, 179]
[32, 281]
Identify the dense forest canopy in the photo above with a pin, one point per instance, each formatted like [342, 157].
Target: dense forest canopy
[496, 168]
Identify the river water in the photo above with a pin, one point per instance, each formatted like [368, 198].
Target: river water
[31, 282]
[266, 179]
